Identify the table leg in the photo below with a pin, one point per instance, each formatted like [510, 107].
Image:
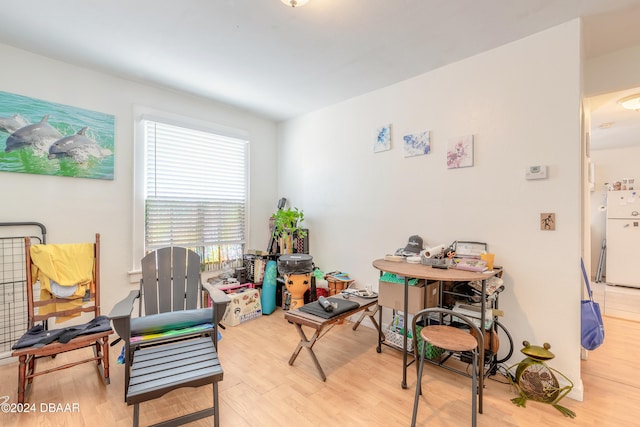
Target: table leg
[483, 306]
[370, 314]
[308, 344]
[379, 348]
[404, 336]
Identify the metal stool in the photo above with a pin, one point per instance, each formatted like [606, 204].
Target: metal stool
[451, 339]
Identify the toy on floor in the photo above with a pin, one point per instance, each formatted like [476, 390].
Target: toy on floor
[536, 381]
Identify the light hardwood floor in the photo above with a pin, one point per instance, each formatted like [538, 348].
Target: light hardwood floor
[362, 387]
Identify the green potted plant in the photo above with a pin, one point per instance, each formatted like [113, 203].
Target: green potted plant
[286, 223]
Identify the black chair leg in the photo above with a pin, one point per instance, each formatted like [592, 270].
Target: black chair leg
[418, 387]
[474, 388]
[216, 411]
[136, 415]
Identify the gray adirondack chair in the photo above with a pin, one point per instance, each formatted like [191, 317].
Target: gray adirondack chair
[173, 341]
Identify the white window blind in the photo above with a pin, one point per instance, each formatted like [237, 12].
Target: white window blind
[196, 191]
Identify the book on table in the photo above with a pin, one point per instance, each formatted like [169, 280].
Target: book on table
[472, 264]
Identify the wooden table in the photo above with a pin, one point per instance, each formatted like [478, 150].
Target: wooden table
[320, 326]
[420, 271]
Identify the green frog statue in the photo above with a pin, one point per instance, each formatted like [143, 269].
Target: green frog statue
[536, 381]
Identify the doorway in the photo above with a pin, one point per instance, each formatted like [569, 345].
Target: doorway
[615, 155]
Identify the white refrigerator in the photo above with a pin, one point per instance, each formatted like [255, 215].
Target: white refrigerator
[623, 238]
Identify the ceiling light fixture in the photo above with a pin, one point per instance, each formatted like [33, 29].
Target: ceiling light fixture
[631, 102]
[295, 3]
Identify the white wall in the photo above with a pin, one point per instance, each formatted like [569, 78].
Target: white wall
[74, 209]
[521, 102]
[614, 164]
[612, 72]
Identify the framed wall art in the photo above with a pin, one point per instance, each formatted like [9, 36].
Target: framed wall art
[417, 144]
[46, 138]
[383, 139]
[460, 152]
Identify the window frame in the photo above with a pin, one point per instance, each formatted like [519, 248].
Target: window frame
[139, 171]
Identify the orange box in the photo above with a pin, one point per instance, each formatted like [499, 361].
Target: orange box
[489, 259]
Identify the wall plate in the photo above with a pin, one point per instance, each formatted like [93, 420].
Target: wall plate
[537, 172]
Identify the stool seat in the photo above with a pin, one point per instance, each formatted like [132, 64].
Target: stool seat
[449, 338]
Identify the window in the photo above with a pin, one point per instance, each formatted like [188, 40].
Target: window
[195, 192]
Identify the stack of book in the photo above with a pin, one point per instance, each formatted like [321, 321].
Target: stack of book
[472, 264]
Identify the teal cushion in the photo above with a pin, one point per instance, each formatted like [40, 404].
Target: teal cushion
[162, 322]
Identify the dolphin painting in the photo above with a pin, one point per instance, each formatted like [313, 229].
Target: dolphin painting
[77, 147]
[39, 136]
[13, 123]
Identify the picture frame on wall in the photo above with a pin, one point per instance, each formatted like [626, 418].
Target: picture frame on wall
[47, 138]
[417, 144]
[460, 152]
[382, 140]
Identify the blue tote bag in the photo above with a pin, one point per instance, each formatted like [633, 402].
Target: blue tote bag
[592, 329]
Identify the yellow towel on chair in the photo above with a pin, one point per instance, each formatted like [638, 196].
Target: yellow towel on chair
[68, 265]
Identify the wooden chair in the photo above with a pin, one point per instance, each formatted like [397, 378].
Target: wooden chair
[451, 339]
[173, 341]
[46, 306]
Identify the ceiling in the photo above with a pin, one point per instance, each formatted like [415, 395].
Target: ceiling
[611, 125]
[281, 62]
